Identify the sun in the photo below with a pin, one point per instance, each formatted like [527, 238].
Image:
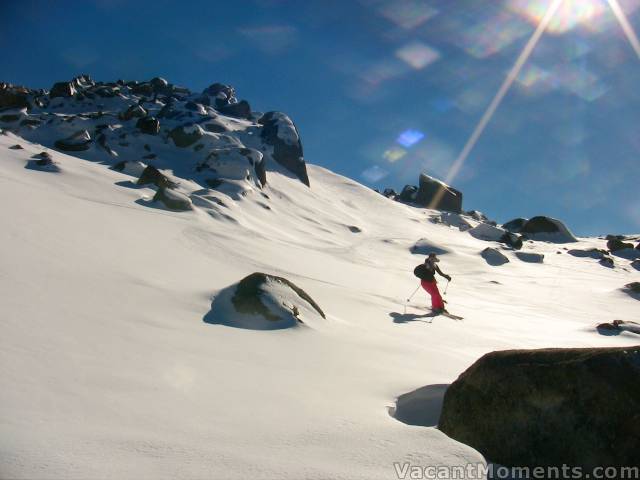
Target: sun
[570, 13]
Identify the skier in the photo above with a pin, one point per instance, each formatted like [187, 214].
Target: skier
[426, 273]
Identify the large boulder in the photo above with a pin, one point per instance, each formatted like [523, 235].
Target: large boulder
[530, 257]
[494, 257]
[433, 193]
[79, 141]
[549, 407]
[515, 225]
[276, 300]
[547, 229]
[134, 111]
[152, 176]
[186, 135]
[615, 244]
[241, 109]
[279, 131]
[408, 194]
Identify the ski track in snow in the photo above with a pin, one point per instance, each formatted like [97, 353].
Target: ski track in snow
[110, 371]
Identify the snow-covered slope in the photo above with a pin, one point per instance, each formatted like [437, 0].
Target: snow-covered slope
[111, 371]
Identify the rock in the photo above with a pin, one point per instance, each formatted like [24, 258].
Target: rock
[102, 141]
[145, 89]
[408, 194]
[515, 225]
[186, 135]
[17, 146]
[238, 110]
[512, 239]
[134, 111]
[636, 264]
[390, 193]
[594, 253]
[219, 91]
[633, 289]
[151, 175]
[195, 107]
[135, 169]
[13, 97]
[547, 229]
[530, 257]
[9, 118]
[158, 84]
[43, 162]
[215, 126]
[615, 244]
[578, 406]
[234, 163]
[484, 231]
[262, 295]
[279, 131]
[606, 262]
[618, 326]
[493, 257]
[77, 142]
[433, 193]
[149, 125]
[62, 89]
[173, 200]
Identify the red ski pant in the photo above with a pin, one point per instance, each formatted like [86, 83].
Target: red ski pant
[432, 289]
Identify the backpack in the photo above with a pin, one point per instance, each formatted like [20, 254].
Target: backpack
[421, 271]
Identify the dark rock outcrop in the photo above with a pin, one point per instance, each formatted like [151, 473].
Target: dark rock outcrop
[63, 89]
[77, 142]
[494, 257]
[408, 194]
[279, 131]
[618, 326]
[149, 125]
[547, 229]
[241, 109]
[633, 289]
[432, 193]
[515, 225]
[13, 97]
[530, 257]
[134, 111]
[579, 407]
[616, 244]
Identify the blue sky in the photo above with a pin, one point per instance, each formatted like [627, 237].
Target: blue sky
[384, 89]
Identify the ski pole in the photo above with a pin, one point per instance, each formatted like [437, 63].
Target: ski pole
[414, 292]
[445, 288]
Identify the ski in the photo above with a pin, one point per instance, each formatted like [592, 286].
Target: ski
[444, 313]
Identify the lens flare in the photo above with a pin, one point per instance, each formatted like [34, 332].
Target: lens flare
[570, 14]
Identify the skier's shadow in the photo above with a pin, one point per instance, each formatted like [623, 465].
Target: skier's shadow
[411, 317]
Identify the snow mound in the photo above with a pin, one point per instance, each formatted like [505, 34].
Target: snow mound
[264, 302]
[420, 407]
[425, 246]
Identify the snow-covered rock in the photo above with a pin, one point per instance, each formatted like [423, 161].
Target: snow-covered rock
[173, 199]
[80, 140]
[279, 131]
[264, 302]
[484, 231]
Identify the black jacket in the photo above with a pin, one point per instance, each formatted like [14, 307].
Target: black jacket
[427, 272]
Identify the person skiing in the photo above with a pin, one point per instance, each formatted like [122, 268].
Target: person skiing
[426, 273]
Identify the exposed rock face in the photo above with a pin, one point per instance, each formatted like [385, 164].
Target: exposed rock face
[62, 89]
[512, 239]
[279, 131]
[240, 109]
[579, 407]
[594, 253]
[390, 193]
[494, 257]
[134, 111]
[173, 200]
[13, 97]
[77, 142]
[149, 125]
[432, 193]
[547, 229]
[408, 194]
[515, 225]
[617, 244]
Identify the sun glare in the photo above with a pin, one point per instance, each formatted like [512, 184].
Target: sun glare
[570, 13]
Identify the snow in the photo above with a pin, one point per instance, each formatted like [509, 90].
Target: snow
[111, 371]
